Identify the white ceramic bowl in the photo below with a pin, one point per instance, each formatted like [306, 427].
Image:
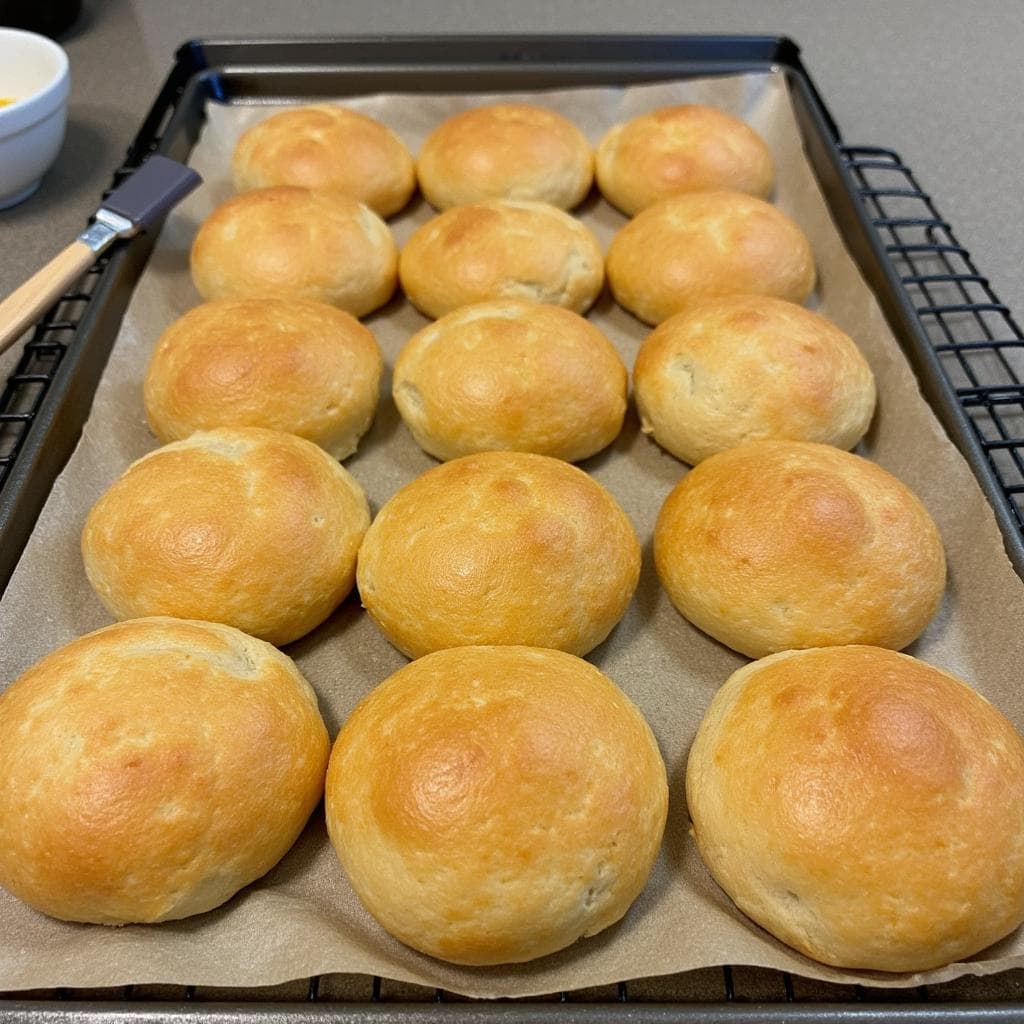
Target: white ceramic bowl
[34, 74]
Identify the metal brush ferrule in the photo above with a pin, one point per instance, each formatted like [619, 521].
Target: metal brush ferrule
[105, 229]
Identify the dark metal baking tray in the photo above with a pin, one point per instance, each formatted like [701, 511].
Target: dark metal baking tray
[964, 345]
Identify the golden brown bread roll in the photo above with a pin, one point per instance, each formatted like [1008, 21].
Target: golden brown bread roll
[776, 545]
[286, 364]
[511, 375]
[501, 249]
[245, 526]
[499, 548]
[494, 804]
[505, 151]
[685, 148]
[328, 147]
[747, 368]
[294, 243]
[862, 806]
[698, 246]
[150, 770]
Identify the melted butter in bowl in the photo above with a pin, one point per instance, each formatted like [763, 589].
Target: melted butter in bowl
[34, 86]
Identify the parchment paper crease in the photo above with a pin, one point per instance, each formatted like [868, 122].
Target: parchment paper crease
[302, 918]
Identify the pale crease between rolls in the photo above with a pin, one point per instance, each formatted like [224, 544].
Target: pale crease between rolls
[494, 804]
[150, 770]
[862, 806]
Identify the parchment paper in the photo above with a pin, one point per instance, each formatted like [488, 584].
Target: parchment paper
[302, 918]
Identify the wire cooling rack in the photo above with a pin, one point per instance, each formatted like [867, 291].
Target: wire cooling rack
[40, 360]
[977, 342]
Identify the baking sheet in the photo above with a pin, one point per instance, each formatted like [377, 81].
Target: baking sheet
[302, 918]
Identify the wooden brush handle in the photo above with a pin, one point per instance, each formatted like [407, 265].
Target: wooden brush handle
[24, 305]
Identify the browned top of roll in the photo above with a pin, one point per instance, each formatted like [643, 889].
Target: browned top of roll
[329, 147]
[250, 527]
[746, 368]
[511, 375]
[289, 242]
[863, 806]
[775, 545]
[505, 151]
[499, 548]
[501, 249]
[286, 364]
[493, 804]
[151, 769]
[705, 244]
[685, 148]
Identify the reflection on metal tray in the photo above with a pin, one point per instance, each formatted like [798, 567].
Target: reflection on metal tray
[966, 348]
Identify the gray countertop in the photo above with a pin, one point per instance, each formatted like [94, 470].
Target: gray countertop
[940, 81]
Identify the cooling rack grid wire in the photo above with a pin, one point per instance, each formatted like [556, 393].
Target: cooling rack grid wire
[978, 343]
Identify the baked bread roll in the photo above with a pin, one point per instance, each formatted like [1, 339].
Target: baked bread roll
[249, 527]
[505, 151]
[748, 368]
[501, 249]
[294, 243]
[328, 147]
[777, 545]
[699, 246]
[686, 148]
[862, 806]
[302, 367]
[150, 770]
[491, 805]
[511, 375]
[499, 548]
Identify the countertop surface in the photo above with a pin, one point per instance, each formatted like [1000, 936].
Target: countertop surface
[940, 81]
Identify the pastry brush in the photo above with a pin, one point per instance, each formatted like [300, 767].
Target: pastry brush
[135, 205]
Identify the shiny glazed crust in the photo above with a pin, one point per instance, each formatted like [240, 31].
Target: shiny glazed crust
[302, 367]
[703, 245]
[776, 545]
[294, 243]
[511, 375]
[674, 150]
[499, 548]
[250, 527]
[327, 147]
[862, 806]
[150, 770]
[748, 368]
[505, 151]
[494, 804]
[501, 249]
